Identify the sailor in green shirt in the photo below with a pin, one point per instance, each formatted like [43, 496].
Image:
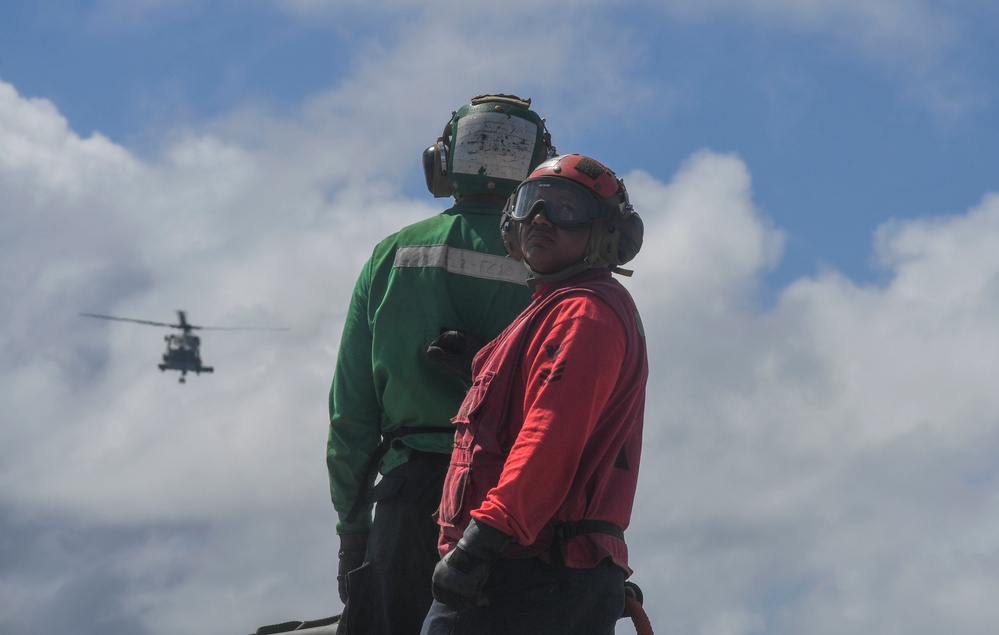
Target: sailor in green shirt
[428, 298]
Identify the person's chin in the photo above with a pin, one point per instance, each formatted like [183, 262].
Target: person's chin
[540, 264]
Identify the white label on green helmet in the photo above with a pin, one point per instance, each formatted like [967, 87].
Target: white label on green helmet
[493, 144]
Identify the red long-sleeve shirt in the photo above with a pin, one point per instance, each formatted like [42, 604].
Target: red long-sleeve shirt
[551, 430]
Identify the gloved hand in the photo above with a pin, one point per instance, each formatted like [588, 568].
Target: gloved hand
[351, 554]
[633, 598]
[455, 349]
[632, 590]
[459, 577]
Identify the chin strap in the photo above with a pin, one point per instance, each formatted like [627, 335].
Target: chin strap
[535, 279]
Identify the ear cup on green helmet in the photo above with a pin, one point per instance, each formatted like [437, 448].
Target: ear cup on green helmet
[434, 161]
[435, 164]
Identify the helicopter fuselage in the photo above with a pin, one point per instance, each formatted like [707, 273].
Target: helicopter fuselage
[183, 353]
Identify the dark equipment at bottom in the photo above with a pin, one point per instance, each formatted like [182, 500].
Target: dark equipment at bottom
[633, 599]
[325, 626]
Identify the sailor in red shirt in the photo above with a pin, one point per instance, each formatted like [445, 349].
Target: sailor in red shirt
[545, 465]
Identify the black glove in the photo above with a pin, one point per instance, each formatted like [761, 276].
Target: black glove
[455, 349]
[351, 554]
[461, 574]
[634, 592]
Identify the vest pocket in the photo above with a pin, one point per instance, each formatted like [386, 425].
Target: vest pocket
[476, 395]
[456, 485]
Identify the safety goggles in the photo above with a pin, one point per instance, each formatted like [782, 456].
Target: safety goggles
[565, 203]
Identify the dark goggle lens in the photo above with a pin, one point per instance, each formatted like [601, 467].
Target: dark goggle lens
[565, 202]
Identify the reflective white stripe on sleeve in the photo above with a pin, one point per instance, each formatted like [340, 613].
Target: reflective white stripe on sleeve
[463, 262]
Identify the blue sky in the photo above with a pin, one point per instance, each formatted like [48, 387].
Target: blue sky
[819, 284]
[844, 126]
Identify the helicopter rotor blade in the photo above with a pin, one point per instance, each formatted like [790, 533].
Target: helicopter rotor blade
[242, 328]
[122, 319]
[184, 325]
[188, 326]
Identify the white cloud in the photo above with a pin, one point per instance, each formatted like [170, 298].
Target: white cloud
[822, 465]
[827, 465]
[239, 236]
[704, 234]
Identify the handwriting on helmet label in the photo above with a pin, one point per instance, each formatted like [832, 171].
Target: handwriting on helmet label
[493, 144]
[463, 262]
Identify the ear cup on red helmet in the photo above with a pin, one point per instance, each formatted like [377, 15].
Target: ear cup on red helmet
[632, 233]
[616, 241]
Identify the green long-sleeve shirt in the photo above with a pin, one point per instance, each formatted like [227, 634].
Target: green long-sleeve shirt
[446, 272]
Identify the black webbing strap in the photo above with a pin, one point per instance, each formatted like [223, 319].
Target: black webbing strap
[371, 468]
[568, 531]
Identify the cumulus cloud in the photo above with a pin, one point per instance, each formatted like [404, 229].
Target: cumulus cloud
[826, 465]
[822, 464]
[201, 474]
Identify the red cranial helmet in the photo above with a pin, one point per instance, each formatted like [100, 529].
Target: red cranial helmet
[575, 190]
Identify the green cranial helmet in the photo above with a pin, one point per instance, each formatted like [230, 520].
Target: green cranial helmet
[488, 147]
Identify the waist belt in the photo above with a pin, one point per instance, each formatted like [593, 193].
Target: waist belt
[371, 468]
[567, 531]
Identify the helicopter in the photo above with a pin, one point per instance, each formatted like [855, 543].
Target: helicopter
[183, 350]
